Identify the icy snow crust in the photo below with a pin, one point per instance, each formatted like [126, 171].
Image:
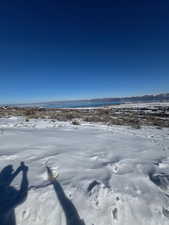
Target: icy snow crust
[103, 170]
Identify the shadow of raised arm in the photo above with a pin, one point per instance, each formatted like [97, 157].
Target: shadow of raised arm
[70, 211]
[10, 198]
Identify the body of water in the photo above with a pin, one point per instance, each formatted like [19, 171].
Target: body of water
[79, 104]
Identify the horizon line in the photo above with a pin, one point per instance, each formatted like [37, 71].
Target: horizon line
[82, 99]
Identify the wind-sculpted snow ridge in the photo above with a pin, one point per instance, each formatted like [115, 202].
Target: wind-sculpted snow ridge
[112, 175]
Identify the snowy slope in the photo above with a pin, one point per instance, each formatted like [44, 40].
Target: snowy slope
[105, 171]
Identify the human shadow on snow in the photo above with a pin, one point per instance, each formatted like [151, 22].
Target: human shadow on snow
[10, 198]
[70, 211]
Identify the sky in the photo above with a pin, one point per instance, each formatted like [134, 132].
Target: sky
[57, 50]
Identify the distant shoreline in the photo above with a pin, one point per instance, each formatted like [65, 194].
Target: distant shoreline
[82, 105]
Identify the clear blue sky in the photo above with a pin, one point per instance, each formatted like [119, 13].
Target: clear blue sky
[51, 50]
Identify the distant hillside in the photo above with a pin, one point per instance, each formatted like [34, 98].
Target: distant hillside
[98, 101]
[144, 98]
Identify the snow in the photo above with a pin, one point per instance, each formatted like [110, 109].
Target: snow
[104, 171]
[150, 105]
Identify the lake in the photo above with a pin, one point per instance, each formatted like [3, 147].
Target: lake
[78, 104]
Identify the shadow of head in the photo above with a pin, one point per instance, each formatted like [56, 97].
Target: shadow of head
[6, 175]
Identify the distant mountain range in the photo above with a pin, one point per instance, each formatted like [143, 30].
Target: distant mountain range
[157, 97]
[97, 101]
[101, 101]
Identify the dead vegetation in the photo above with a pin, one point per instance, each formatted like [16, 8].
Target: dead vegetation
[134, 117]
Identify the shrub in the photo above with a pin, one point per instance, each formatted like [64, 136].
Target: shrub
[75, 122]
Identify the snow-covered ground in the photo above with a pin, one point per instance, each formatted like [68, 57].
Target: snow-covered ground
[150, 105]
[105, 171]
